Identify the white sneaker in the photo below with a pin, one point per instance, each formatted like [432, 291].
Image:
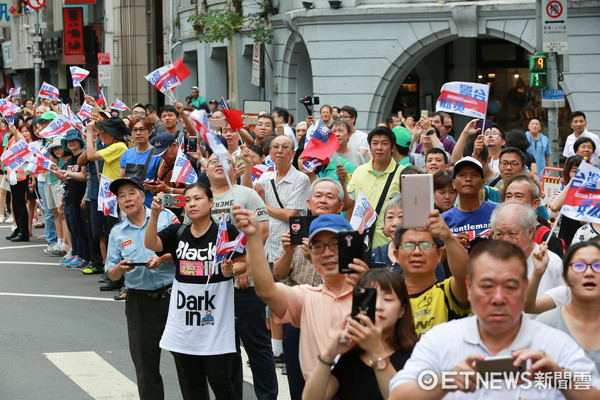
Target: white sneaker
[9, 220]
[13, 228]
[2, 218]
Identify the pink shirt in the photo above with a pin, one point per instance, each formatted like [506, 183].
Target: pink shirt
[319, 314]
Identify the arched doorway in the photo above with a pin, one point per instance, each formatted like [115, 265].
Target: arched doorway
[297, 68]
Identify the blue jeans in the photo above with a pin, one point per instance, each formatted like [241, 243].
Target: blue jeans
[49, 222]
[251, 329]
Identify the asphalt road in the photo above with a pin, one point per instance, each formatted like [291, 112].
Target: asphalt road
[62, 338]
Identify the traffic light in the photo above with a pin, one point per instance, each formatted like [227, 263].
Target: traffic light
[538, 69]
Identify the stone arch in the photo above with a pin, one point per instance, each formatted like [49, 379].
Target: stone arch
[295, 75]
[521, 32]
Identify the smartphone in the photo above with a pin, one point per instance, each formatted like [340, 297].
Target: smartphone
[364, 300]
[350, 246]
[95, 111]
[142, 264]
[299, 226]
[192, 144]
[500, 364]
[417, 199]
[424, 113]
[374, 265]
[250, 120]
[217, 123]
[480, 125]
[280, 130]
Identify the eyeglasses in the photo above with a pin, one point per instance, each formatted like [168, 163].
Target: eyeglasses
[319, 248]
[345, 116]
[491, 133]
[215, 161]
[512, 235]
[281, 146]
[411, 246]
[260, 125]
[513, 164]
[581, 266]
[449, 127]
[142, 113]
[139, 130]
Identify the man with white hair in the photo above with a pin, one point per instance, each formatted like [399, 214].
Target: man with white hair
[516, 223]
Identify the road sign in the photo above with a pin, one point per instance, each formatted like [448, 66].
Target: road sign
[554, 25]
[104, 78]
[553, 98]
[36, 4]
[256, 65]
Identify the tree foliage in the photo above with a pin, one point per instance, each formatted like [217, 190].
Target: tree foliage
[216, 25]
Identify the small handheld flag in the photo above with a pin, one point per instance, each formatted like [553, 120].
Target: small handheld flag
[119, 105]
[78, 75]
[48, 91]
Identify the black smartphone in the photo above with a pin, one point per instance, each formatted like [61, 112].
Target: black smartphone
[192, 144]
[299, 226]
[364, 300]
[141, 264]
[482, 126]
[350, 246]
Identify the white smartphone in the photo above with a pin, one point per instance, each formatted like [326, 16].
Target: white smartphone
[417, 199]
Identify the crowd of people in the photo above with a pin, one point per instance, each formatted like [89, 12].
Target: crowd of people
[487, 276]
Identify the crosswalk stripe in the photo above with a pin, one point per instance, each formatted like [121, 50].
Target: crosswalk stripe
[23, 247]
[32, 263]
[94, 375]
[58, 296]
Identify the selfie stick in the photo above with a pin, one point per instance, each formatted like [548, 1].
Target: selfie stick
[553, 227]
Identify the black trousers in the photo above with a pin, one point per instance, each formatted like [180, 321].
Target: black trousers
[193, 371]
[146, 318]
[19, 206]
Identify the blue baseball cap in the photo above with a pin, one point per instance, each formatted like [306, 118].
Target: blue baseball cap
[162, 141]
[328, 223]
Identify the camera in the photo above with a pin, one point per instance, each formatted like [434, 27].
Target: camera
[308, 102]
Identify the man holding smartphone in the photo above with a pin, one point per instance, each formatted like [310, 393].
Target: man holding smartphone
[497, 287]
[317, 311]
[147, 302]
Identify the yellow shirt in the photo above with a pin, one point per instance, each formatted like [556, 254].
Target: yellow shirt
[112, 159]
[435, 306]
[372, 185]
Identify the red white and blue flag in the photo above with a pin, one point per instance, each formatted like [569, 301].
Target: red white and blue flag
[223, 246]
[363, 215]
[169, 76]
[67, 112]
[240, 243]
[42, 163]
[210, 138]
[47, 91]
[59, 126]
[234, 117]
[78, 75]
[14, 91]
[464, 98]
[16, 156]
[321, 145]
[257, 171]
[119, 105]
[583, 198]
[101, 99]
[8, 108]
[107, 200]
[85, 111]
[183, 172]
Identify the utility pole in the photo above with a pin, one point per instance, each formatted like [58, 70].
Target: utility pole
[37, 54]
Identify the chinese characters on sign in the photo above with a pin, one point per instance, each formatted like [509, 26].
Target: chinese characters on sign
[73, 36]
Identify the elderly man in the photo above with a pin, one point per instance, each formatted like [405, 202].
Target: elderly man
[497, 285]
[147, 302]
[317, 311]
[524, 190]
[250, 325]
[515, 223]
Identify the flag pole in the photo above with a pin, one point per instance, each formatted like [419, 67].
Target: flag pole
[553, 227]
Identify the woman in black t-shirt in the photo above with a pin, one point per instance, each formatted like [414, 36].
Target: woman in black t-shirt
[200, 331]
[364, 372]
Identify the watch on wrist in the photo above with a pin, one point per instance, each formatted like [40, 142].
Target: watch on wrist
[172, 191]
[380, 364]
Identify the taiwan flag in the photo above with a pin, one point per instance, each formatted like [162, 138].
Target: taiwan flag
[234, 117]
[169, 76]
[101, 99]
[322, 144]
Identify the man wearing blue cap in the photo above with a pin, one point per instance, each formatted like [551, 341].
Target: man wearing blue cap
[317, 311]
